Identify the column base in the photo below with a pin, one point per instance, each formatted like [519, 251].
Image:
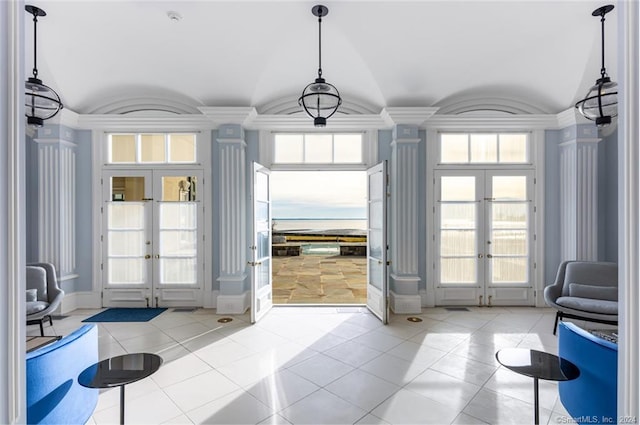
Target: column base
[233, 304]
[405, 304]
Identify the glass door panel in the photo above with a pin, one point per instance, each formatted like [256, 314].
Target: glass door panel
[377, 241]
[261, 281]
[126, 266]
[177, 238]
[509, 229]
[458, 230]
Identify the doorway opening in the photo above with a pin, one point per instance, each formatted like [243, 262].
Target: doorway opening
[319, 237]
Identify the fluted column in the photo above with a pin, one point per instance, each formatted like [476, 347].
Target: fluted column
[579, 197]
[233, 299]
[404, 296]
[57, 200]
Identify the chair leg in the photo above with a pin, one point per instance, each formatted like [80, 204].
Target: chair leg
[555, 325]
[50, 321]
[41, 327]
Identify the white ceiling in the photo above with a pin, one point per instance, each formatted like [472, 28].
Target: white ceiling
[545, 55]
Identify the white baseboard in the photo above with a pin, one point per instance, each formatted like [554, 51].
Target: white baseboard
[75, 300]
[233, 304]
[405, 304]
[210, 299]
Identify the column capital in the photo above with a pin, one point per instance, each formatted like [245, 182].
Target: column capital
[231, 134]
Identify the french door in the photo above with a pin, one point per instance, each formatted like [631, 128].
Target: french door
[261, 279]
[484, 237]
[152, 242]
[377, 282]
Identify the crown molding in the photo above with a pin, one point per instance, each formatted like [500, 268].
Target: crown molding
[303, 122]
[219, 115]
[513, 122]
[159, 122]
[571, 117]
[407, 115]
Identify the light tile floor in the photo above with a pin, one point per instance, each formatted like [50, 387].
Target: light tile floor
[328, 365]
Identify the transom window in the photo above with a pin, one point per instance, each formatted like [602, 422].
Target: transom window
[484, 148]
[152, 148]
[318, 148]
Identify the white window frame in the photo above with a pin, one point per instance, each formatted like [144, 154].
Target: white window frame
[100, 144]
[369, 152]
[138, 147]
[528, 161]
[536, 163]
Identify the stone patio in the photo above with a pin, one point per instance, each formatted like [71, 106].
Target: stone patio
[318, 279]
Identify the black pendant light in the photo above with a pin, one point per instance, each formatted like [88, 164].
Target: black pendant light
[601, 103]
[320, 99]
[41, 101]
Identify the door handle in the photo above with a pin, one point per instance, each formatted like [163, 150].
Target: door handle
[147, 199]
[480, 255]
[146, 257]
[489, 256]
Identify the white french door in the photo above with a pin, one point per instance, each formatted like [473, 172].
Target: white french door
[484, 237]
[377, 282]
[152, 241]
[261, 280]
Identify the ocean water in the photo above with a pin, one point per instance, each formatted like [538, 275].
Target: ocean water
[286, 225]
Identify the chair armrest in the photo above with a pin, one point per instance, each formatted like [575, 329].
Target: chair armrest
[554, 291]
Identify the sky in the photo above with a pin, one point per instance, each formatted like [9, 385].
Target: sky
[319, 194]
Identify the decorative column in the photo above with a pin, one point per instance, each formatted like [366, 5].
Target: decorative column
[579, 193]
[233, 298]
[403, 294]
[57, 199]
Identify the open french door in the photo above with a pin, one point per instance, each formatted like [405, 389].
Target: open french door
[261, 283]
[377, 282]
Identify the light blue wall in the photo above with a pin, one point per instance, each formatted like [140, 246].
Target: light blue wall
[214, 259]
[83, 208]
[424, 190]
[607, 195]
[609, 199]
[553, 138]
[84, 211]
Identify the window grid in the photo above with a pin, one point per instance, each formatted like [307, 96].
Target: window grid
[138, 159]
[450, 142]
[304, 147]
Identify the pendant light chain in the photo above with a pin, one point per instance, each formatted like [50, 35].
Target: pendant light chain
[603, 71]
[35, 45]
[320, 46]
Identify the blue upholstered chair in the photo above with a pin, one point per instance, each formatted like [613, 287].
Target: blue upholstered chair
[54, 395]
[46, 295]
[592, 397]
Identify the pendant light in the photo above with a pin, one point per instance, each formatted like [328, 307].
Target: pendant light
[41, 101]
[320, 99]
[601, 103]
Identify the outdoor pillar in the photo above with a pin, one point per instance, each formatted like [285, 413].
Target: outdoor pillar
[234, 296]
[579, 193]
[404, 297]
[56, 199]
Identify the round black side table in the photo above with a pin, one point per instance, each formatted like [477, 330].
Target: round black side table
[538, 365]
[120, 371]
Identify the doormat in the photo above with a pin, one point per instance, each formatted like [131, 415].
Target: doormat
[125, 315]
[456, 308]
